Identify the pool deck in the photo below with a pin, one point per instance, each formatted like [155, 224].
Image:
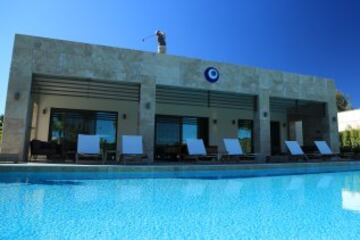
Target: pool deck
[175, 170]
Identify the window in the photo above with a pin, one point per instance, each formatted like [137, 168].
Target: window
[173, 130]
[65, 125]
[245, 135]
[167, 130]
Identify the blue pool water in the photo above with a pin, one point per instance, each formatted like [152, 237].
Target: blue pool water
[315, 206]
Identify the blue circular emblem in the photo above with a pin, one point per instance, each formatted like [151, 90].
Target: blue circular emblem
[211, 74]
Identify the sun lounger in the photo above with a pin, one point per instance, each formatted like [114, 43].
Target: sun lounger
[324, 150]
[234, 151]
[132, 149]
[296, 153]
[88, 146]
[197, 151]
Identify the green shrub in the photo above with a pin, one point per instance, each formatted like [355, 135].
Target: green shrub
[350, 140]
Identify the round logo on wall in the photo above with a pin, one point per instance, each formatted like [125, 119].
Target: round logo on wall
[212, 74]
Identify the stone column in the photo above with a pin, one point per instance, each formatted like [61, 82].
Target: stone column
[331, 121]
[15, 140]
[147, 114]
[262, 140]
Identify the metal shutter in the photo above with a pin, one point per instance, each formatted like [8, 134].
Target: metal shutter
[77, 87]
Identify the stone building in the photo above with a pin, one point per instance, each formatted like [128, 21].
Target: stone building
[58, 89]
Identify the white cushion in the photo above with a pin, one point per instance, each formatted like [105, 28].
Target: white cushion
[232, 146]
[88, 144]
[132, 144]
[294, 148]
[195, 146]
[324, 149]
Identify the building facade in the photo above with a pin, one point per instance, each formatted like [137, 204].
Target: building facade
[58, 89]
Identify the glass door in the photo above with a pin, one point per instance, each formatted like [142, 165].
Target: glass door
[275, 137]
[245, 135]
[67, 124]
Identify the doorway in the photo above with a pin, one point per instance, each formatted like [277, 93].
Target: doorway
[275, 137]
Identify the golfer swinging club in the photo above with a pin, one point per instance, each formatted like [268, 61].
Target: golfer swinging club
[161, 42]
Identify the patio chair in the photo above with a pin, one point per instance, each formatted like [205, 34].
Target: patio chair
[88, 146]
[132, 149]
[347, 153]
[197, 151]
[212, 151]
[49, 149]
[296, 153]
[168, 152]
[234, 151]
[325, 151]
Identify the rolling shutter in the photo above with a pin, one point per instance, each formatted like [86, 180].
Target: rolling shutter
[203, 98]
[76, 87]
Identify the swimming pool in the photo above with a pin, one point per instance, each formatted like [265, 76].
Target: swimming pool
[313, 206]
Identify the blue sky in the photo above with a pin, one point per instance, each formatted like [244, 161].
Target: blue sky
[304, 36]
